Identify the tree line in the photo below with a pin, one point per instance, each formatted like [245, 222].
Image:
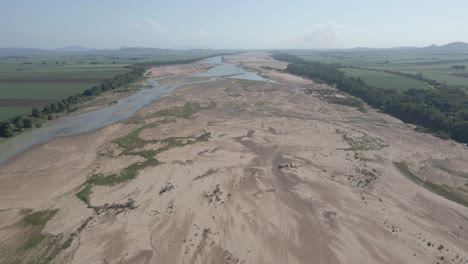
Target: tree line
[442, 111]
[37, 116]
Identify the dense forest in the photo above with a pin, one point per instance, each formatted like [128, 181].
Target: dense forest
[442, 111]
[37, 116]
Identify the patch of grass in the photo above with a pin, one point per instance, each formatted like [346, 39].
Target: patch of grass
[34, 240]
[85, 193]
[39, 218]
[442, 190]
[176, 142]
[362, 143]
[129, 173]
[57, 246]
[245, 84]
[349, 101]
[30, 239]
[184, 111]
[131, 141]
[36, 221]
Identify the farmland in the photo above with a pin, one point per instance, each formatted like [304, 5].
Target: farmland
[27, 81]
[384, 80]
[40, 84]
[434, 66]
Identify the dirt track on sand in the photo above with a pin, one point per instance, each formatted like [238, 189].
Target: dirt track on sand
[247, 172]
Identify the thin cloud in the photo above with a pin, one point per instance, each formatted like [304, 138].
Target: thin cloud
[321, 36]
[155, 25]
[200, 32]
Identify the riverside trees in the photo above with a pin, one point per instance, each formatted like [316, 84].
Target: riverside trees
[443, 111]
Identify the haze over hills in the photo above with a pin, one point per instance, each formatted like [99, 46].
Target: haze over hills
[450, 47]
[454, 47]
[78, 50]
[74, 48]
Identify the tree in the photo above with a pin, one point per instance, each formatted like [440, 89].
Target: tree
[60, 107]
[5, 129]
[27, 122]
[35, 112]
[441, 111]
[18, 122]
[53, 107]
[46, 110]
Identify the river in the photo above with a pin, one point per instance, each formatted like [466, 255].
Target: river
[122, 109]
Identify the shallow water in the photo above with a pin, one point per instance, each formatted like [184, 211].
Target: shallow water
[124, 108]
[230, 71]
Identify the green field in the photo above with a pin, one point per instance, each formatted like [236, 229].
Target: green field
[432, 66]
[8, 112]
[45, 79]
[384, 80]
[41, 90]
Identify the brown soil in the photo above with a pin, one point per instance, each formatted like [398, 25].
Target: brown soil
[49, 80]
[25, 102]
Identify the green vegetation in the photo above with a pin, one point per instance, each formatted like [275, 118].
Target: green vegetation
[85, 193]
[442, 190]
[349, 101]
[29, 239]
[14, 125]
[132, 142]
[52, 83]
[8, 112]
[179, 111]
[36, 221]
[44, 82]
[384, 80]
[441, 111]
[39, 218]
[424, 66]
[44, 248]
[362, 143]
[126, 174]
[41, 91]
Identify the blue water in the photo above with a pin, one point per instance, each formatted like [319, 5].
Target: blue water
[229, 70]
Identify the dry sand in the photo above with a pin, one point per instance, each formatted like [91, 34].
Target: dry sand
[285, 177]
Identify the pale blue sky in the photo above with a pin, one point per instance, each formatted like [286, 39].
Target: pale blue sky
[232, 24]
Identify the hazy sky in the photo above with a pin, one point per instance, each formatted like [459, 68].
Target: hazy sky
[232, 23]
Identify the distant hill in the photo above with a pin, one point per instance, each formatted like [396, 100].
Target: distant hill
[189, 47]
[454, 47]
[136, 51]
[74, 48]
[21, 51]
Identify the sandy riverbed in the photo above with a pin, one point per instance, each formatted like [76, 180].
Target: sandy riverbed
[284, 177]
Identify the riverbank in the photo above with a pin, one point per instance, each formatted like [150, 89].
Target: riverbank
[98, 113]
